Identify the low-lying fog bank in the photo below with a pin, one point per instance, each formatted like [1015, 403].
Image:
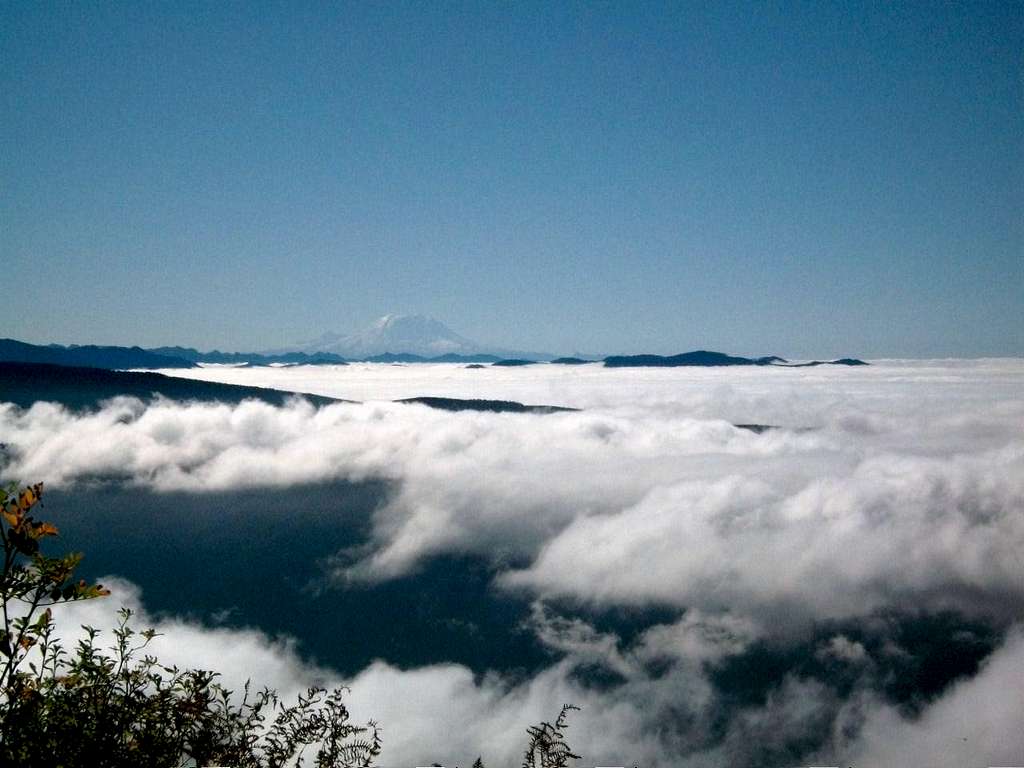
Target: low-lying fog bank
[848, 588]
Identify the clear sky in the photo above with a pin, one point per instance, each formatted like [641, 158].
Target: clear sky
[805, 179]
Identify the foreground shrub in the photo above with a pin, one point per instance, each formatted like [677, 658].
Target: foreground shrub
[119, 706]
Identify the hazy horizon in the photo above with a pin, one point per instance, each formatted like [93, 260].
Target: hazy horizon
[663, 348]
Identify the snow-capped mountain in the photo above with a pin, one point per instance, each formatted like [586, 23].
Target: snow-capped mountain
[413, 334]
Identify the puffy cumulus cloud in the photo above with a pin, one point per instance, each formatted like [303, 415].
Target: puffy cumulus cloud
[439, 712]
[977, 722]
[666, 705]
[698, 638]
[896, 530]
[907, 486]
[446, 713]
[237, 654]
[442, 713]
[468, 481]
[843, 649]
[804, 567]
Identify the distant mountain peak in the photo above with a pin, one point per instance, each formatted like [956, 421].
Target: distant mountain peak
[419, 326]
[396, 333]
[405, 335]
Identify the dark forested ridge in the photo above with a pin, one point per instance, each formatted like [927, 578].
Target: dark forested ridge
[188, 357]
[88, 356]
[704, 358]
[494, 406]
[250, 358]
[78, 387]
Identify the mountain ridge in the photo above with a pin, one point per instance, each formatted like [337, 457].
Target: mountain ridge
[87, 356]
[416, 335]
[84, 388]
[118, 358]
[703, 358]
[251, 358]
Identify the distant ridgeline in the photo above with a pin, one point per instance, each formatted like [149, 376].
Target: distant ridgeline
[713, 359]
[194, 356]
[408, 357]
[80, 389]
[90, 356]
[700, 358]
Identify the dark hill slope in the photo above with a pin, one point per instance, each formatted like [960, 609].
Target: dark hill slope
[79, 388]
[407, 357]
[698, 358]
[814, 363]
[494, 406]
[83, 388]
[570, 361]
[252, 358]
[703, 358]
[89, 356]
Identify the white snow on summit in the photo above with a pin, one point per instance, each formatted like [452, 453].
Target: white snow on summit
[414, 334]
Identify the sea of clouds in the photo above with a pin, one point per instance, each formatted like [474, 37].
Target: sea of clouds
[886, 494]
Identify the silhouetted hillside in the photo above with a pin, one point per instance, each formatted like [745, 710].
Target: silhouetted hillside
[408, 357]
[252, 358]
[703, 358]
[813, 363]
[454, 358]
[394, 357]
[89, 356]
[494, 406]
[698, 358]
[79, 388]
[26, 383]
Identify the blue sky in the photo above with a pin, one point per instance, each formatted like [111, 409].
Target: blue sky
[805, 179]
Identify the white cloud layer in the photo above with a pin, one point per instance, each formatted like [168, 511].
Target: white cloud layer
[445, 713]
[905, 491]
[907, 486]
[976, 723]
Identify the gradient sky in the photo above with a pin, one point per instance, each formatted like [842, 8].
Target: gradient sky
[792, 178]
